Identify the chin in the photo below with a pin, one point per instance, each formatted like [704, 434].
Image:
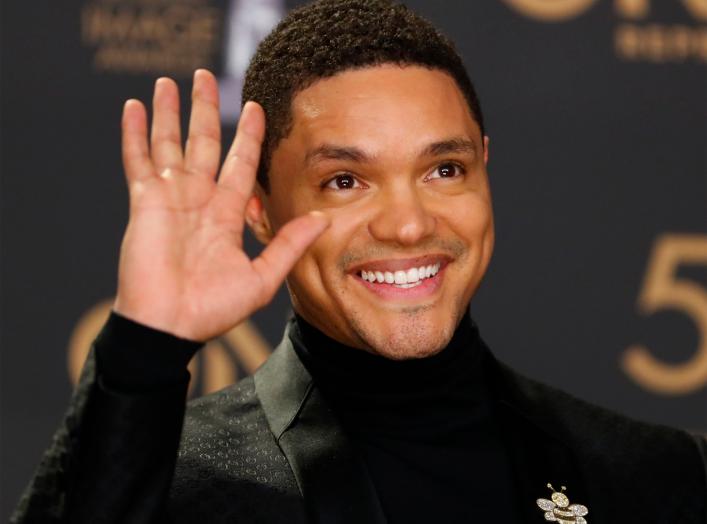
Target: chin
[411, 335]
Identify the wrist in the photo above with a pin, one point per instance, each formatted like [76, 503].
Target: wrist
[152, 317]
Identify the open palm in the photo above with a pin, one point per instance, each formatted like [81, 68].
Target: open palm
[182, 265]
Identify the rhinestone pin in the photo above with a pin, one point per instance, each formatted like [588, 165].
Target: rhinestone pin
[558, 508]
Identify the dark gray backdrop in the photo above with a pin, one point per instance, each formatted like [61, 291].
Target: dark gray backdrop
[598, 151]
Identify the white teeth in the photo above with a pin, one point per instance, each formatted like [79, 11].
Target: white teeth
[412, 275]
[401, 278]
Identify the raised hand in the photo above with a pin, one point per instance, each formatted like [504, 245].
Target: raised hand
[182, 265]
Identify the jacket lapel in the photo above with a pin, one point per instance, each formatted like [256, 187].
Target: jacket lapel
[332, 479]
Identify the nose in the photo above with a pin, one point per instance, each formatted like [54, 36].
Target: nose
[402, 217]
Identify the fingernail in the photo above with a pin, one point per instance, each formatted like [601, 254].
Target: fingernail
[162, 82]
[201, 72]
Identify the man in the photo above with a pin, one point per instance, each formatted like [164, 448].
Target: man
[382, 403]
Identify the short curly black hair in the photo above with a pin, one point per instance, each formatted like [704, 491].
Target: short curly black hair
[326, 37]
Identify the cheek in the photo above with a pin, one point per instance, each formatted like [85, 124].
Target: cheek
[470, 217]
[319, 271]
[347, 230]
[317, 283]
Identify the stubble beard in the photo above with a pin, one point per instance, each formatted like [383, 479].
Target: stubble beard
[414, 336]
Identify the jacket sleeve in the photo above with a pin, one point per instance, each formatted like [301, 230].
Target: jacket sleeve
[113, 457]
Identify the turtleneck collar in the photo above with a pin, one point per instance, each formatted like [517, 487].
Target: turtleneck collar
[371, 393]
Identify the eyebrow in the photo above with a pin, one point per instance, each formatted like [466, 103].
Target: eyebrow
[354, 154]
[333, 152]
[450, 146]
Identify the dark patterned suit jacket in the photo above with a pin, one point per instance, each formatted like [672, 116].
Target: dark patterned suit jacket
[269, 450]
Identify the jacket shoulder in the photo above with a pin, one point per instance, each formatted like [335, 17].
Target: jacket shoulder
[229, 419]
[625, 456]
[239, 399]
[604, 432]
[229, 465]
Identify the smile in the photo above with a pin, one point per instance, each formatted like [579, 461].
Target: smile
[410, 279]
[402, 278]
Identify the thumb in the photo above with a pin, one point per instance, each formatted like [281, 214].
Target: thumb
[286, 248]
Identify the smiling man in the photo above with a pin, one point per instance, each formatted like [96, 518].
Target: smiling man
[382, 404]
[400, 170]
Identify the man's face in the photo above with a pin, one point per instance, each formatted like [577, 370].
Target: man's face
[395, 159]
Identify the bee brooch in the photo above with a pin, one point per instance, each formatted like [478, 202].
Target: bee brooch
[559, 509]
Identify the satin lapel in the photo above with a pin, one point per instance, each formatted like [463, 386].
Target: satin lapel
[333, 481]
[540, 450]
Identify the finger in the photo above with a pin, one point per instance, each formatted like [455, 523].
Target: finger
[136, 154]
[286, 248]
[241, 164]
[203, 149]
[165, 138]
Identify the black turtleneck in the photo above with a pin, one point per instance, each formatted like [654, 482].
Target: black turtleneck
[425, 428]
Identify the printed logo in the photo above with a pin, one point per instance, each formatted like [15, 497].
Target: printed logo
[151, 37]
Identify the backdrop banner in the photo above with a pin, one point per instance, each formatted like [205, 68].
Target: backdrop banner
[596, 112]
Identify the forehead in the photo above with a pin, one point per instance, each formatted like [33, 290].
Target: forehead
[382, 106]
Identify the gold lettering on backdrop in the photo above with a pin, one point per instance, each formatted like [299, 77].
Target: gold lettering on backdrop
[654, 42]
[663, 290]
[151, 36]
[657, 43]
[551, 10]
[698, 8]
[640, 8]
[86, 330]
[214, 367]
[632, 8]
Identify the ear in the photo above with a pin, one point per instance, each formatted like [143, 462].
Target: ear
[486, 150]
[257, 219]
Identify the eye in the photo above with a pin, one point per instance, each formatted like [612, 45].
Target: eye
[446, 170]
[342, 182]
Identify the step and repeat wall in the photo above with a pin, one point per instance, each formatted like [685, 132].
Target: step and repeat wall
[597, 113]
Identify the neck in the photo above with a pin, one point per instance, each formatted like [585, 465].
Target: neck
[372, 389]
